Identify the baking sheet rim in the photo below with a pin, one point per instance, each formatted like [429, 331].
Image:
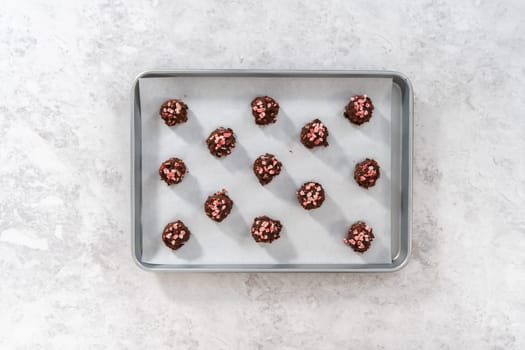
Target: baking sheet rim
[398, 261]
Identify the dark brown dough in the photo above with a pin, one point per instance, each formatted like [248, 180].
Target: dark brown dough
[359, 110]
[218, 206]
[173, 112]
[221, 142]
[266, 229]
[359, 237]
[266, 167]
[366, 173]
[314, 134]
[172, 170]
[175, 234]
[311, 195]
[264, 110]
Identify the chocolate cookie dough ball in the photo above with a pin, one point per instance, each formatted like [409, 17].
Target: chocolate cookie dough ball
[173, 112]
[172, 170]
[218, 206]
[366, 173]
[359, 110]
[311, 195]
[266, 229]
[314, 134]
[266, 167]
[175, 234]
[265, 110]
[359, 237]
[221, 142]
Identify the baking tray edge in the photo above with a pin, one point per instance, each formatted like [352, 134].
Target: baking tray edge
[398, 261]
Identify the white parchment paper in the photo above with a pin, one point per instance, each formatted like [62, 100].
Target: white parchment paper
[308, 236]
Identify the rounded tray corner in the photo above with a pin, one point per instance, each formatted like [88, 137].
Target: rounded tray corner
[398, 263]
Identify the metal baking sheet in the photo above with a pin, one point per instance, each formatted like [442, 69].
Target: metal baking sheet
[311, 240]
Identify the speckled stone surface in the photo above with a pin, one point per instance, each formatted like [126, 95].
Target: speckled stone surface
[67, 280]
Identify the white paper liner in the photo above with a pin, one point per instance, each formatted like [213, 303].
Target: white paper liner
[308, 237]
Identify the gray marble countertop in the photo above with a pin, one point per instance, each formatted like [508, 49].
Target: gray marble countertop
[67, 278]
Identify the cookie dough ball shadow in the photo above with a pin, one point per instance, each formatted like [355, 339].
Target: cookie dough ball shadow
[283, 129]
[379, 191]
[191, 130]
[191, 250]
[333, 156]
[281, 249]
[283, 186]
[235, 226]
[330, 216]
[238, 159]
[189, 190]
[377, 130]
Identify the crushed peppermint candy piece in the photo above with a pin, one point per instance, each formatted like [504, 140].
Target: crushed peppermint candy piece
[265, 229]
[173, 112]
[264, 110]
[172, 170]
[366, 173]
[218, 206]
[221, 142]
[175, 234]
[266, 167]
[360, 237]
[311, 195]
[359, 110]
[314, 134]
